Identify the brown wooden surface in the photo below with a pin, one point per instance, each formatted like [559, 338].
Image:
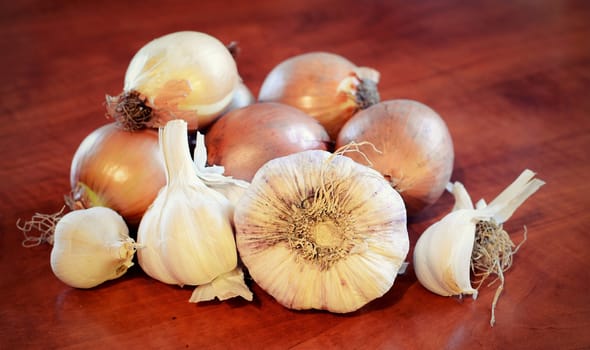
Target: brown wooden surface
[511, 79]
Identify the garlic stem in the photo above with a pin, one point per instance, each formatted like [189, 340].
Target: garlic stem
[504, 205]
[177, 159]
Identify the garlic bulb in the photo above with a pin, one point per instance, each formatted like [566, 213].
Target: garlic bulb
[447, 252]
[318, 230]
[91, 246]
[186, 234]
[184, 75]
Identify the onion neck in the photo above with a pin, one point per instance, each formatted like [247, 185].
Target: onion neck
[130, 110]
[367, 93]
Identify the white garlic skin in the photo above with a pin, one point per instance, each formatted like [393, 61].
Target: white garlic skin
[379, 246]
[442, 255]
[91, 246]
[185, 74]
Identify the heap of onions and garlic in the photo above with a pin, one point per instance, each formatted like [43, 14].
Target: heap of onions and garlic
[333, 225]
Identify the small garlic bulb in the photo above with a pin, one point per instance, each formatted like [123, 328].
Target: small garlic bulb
[183, 75]
[449, 250]
[320, 231]
[91, 246]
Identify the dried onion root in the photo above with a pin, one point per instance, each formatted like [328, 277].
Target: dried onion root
[493, 251]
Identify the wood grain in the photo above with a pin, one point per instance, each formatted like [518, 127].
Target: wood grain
[511, 79]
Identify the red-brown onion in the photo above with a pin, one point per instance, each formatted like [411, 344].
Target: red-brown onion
[415, 148]
[324, 85]
[246, 138]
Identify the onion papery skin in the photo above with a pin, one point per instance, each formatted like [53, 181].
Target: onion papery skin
[244, 139]
[118, 169]
[324, 85]
[415, 148]
[183, 75]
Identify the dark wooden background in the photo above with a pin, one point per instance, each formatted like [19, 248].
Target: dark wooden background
[511, 79]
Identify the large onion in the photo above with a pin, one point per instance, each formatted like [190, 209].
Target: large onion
[416, 150]
[246, 138]
[118, 169]
[184, 75]
[326, 86]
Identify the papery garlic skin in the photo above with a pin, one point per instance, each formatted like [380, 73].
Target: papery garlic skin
[212, 176]
[442, 255]
[91, 246]
[320, 231]
[187, 234]
[188, 75]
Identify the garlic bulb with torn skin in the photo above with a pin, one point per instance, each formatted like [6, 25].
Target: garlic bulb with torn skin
[469, 240]
[319, 231]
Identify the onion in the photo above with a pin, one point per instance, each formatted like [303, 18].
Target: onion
[244, 139]
[118, 169]
[184, 75]
[242, 97]
[326, 86]
[415, 148]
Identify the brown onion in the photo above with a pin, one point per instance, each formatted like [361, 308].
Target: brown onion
[326, 86]
[415, 148]
[246, 138]
[118, 169]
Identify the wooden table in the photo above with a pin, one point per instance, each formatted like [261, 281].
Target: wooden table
[511, 79]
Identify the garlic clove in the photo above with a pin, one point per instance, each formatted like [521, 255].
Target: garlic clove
[442, 254]
[194, 255]
[469, 239]
[148, 255]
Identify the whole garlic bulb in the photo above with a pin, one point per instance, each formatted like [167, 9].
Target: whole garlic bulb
[318, 230]
[91, 246]
[183, 75]
[186, 234]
